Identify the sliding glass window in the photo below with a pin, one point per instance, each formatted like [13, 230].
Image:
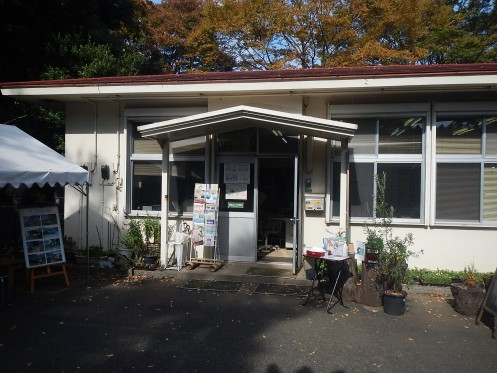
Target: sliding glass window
[186, 167]
[392, 145]
[466, 169]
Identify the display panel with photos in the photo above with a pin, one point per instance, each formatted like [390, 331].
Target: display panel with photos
[41, 237]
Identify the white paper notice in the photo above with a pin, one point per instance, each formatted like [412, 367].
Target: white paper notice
[236, 191]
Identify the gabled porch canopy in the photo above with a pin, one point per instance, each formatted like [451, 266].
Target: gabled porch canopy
[239, 117]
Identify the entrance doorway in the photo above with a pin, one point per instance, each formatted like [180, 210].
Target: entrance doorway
[276, 210]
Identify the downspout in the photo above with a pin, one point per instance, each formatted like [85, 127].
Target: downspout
[344, 187]
[86, 234]
[95, 133]
[92, 170]
[164, 202]
[117, 180]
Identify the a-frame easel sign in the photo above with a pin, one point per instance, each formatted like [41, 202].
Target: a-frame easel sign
[42, 242]
[490, 303]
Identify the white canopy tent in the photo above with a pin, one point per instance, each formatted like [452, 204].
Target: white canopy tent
[26, 161]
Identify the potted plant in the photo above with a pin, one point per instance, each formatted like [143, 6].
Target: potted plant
[132, 237]
[95, 253]
[469, 276]
[151, 229]
[392, 253]
[468, 297]
[373, 247]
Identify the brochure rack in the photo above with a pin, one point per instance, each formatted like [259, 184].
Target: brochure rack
[205, 249]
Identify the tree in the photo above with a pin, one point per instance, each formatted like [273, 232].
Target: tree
[273, 34]
[66, 39]
[395, 31]
[474, 37]
[178, 40]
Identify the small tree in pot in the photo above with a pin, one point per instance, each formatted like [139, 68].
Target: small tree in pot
[152, 229]
[393, 254]
[132, 237]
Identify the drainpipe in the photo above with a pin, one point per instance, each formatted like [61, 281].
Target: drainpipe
[95, 131]
[117, 180]
[344, 187]
[165, 202]
[95, 134]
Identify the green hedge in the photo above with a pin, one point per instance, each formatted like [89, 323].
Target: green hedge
[440, 276]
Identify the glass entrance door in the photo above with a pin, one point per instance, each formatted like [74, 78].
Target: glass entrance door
[276, 209]
[237, 213]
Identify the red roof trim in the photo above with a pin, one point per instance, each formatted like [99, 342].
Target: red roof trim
[363, 72]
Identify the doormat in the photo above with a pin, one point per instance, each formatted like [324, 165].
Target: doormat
[228, 286]
[269, 272]
[286, 290]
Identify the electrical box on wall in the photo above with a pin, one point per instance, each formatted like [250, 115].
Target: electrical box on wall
[314, 202]
[105, 170]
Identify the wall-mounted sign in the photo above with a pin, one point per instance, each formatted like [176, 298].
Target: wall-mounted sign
[235, 205]
[237, 173]
[314, 202]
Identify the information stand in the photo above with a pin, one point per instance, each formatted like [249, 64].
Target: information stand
[42, 243]
[204, 232]
[490, 303]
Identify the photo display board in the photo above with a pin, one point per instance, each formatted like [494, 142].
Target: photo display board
[41, 237]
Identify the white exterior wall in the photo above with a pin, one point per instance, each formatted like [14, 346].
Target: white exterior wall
[105, 147]
[444, 247]
[287, 103]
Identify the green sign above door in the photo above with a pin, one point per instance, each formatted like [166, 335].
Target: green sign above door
[235, 205]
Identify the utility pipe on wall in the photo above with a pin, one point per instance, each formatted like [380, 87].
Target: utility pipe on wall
[92, 170]
[164, 202]
[344, 187]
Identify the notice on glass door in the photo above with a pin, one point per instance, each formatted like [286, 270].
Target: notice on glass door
[237, 173]
[236, 191]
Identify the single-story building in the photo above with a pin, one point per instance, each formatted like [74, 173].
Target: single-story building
[294, 153]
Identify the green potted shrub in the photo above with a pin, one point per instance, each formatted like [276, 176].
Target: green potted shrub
[393, 253]
[151, 230]
[470, 276]
[132, 237]
[95, 253]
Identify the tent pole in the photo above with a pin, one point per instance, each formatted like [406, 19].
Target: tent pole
[87, 248]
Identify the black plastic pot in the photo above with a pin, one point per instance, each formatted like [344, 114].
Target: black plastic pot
[150, 259]
[394, 304]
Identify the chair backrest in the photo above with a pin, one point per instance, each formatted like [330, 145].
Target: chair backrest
[276, 226]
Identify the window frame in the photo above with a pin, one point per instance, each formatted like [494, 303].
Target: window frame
[376, 112]
[131, 118]
[482, 159]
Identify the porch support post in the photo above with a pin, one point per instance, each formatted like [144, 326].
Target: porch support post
[165, 203]
[344, 187]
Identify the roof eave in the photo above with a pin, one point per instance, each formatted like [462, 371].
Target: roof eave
[245, 116]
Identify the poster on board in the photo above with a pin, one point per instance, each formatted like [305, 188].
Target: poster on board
[336, 246]
[205, 211]
[237, 173]
[41, 236]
